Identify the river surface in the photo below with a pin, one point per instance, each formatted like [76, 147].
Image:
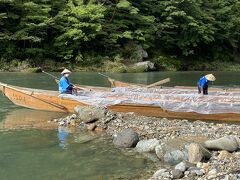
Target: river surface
[31, 149]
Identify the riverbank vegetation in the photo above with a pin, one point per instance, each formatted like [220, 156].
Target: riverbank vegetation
[112, 35]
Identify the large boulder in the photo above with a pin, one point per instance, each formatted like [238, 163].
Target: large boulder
[197, 153]
[89, 114]
[146, 65]
[136, 51]
[147, 145]
[172, 152]
[228, 143]
[127, 138]
[176, 150]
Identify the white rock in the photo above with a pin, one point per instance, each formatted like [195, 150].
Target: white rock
[159, 173]
[228, 143]
[199, 164]
[199, 172]
[212, 172]
[148, 65]
[181, 166]
[147, 145]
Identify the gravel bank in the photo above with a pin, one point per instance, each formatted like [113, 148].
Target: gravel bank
[171, 137]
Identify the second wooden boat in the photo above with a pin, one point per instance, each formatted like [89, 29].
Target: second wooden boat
[116, 83]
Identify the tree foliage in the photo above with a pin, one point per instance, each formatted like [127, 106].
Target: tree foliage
[72, 30]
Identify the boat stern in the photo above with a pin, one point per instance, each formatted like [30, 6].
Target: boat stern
[2, 88]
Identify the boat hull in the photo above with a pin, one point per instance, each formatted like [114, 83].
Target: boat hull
[40, 100]
[156, 111]
[50, 101]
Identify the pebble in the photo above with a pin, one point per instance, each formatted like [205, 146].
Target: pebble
[159, 173]
[164, 130]
[91, 127]
[224, 155]
[177, 174]
[181, 166]
[212, 172]
[195, 153]
[206, 166]
[166, 174]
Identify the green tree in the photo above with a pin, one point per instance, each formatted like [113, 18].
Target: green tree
[78, 24]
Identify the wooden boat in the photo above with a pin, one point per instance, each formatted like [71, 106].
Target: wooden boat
[50, 101]
[116, 83]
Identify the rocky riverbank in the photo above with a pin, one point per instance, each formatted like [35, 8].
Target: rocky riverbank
[193, 150]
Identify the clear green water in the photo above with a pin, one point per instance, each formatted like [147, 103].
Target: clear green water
[33, 153]
[37, 154]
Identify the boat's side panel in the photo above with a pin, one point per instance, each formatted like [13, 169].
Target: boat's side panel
[67, 103]
[51, 102]
[40, 102]
[156, 111]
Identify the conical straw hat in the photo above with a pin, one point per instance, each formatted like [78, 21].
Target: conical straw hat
[210, 77]
[65, 71]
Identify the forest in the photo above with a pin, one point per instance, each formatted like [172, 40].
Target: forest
[174, 34]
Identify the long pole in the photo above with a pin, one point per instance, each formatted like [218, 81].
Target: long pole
[75, 86]
[104, 75]
[50, 75]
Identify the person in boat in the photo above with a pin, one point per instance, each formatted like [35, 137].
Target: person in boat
[203, 83]
[65, 87]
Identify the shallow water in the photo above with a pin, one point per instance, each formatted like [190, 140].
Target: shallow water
[31, 148]
[41, 154]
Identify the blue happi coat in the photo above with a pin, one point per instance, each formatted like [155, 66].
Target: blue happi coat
[203, 82]
[64, 85]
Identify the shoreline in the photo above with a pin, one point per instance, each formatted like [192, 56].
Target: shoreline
[166, 141]
[118, 67]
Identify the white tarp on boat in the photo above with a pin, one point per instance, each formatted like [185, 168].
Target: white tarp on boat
[177, 100]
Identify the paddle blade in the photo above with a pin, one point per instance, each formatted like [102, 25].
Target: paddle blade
[159, 83]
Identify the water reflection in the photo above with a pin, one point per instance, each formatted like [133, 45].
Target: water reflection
[27, 118]
[22, 119]
[63, 133]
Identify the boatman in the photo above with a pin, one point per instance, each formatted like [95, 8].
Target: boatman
[65, 87]
[203, 83]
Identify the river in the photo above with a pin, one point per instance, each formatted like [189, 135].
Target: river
[32, 150]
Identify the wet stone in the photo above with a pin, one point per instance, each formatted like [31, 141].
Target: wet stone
[177, 174]
[127, 138]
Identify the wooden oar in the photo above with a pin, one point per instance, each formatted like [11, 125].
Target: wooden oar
[74, 86]
[159, 83]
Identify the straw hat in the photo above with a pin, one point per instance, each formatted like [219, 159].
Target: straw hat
[66, 71]
[210, 77]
